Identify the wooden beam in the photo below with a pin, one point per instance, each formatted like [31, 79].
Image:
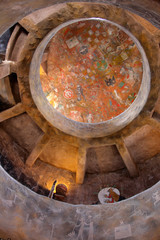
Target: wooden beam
[157, 104]
[41, 143]
[5, 69]
[12, 112]
[81, 164]
[154, 123]
[12, 41]
[127, 159]
[6, 91]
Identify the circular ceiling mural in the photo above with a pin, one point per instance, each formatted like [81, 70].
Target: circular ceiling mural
[91, 71]
[89, 77]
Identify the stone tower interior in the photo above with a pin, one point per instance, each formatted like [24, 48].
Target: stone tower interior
[80, 104]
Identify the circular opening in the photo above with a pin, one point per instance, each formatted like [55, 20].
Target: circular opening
[92, 76]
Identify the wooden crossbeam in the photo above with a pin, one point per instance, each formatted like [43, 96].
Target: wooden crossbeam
[81, 164]
[127, 159]
[12, 112]
[39, 146]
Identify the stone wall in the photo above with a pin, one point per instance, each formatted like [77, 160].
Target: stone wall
[26, 215]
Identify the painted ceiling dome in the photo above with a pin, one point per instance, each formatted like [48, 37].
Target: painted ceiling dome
[91, 71]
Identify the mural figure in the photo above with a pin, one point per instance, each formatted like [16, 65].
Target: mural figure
[110, 81]
[156, 197]
[82, 230]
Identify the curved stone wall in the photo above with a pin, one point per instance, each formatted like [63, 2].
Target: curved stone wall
[25, 215]
[28, 216]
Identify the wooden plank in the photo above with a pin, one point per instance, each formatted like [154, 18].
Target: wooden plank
[127, 159]
[41, 143]
[81, 164]
[12, 112]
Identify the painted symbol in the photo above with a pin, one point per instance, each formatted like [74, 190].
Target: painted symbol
[80, 92]
[156, 197]
[96, 40]
[131, 97]
[98, 25]
[110, 81]
[72, 42]
[93, 93]
[121, 84]
[123, 231]
[90, 118]
[102, 65]
[75, 115]
[90, 32]
[68, 94]
[83, 50]
[124, 55]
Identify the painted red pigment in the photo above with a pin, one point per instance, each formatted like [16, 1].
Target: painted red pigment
[93, 71]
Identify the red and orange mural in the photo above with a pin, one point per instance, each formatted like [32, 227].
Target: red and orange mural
[91, 71]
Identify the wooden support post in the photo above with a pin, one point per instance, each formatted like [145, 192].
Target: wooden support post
[81, 164]
[41, 143]
[128, 160]
[12, 112]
